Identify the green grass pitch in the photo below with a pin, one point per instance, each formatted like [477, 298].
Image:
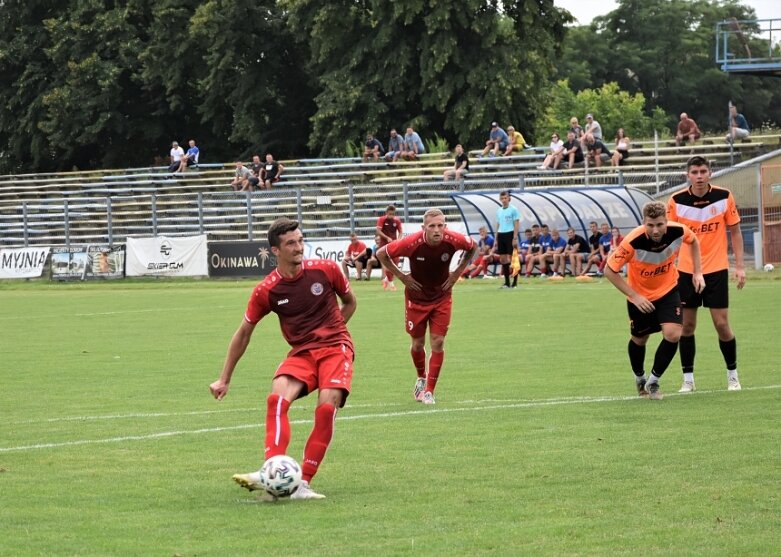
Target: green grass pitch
[110, 443]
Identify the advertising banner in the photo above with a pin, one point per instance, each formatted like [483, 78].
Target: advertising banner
[22, 262]
[174, 256]
[240, 259]
[93, 261]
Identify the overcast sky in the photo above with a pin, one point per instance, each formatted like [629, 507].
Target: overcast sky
[585, 10]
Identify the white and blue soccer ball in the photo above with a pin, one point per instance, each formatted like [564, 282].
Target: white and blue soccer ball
[769, 267]
[280, 476]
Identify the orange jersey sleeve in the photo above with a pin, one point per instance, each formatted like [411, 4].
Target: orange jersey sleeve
[709, 217]
[651, 270]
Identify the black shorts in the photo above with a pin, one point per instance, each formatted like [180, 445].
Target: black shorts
[667, 310]
[504, 243]
[715, 294]
[254, 181]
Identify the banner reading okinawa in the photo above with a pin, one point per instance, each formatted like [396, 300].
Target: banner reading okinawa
[240, 259]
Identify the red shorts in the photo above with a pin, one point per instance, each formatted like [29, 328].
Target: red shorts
[321, 368]
[436, 316]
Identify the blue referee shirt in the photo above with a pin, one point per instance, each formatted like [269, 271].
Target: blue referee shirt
[506, 218]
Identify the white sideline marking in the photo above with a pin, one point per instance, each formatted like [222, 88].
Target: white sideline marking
[498, 406]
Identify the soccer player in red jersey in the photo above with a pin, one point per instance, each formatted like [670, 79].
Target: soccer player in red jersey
[303, 295]
[389, 230]
[710, 211]
[428, 294]
[653, 301]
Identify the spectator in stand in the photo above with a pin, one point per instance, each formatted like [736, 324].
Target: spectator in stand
[497, 141]
[534, 249]
[592, 127]
[687, 131]
[243, 179]
[413, 146]
[373, 148]
[516, 141]
[256, 166]
[373, 262]
[357, 256]
[555, 254]
[576, 251]
[460, 167]
[395, 146]
[190, 158]
[175, 155]
[594, 257]
[575, 128]
[554, 155]
[271, 172]
[571, 151]
[484, 258]
[597, 152]
[622, 148]
[738, 125]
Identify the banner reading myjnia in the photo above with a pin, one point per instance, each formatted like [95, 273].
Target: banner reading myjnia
[22, 262]
[171, 256]
[92, 261]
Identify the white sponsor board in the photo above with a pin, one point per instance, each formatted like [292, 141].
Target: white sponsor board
[22, 262]
[334, 249]
[174, 256]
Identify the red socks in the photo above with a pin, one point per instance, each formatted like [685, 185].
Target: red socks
[277, 425]
[318, 441]
[419, 360]
[434, 365]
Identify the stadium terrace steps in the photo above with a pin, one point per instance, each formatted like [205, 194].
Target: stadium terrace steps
[320, 184]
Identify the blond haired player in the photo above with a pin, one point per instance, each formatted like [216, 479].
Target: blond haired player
[651, 287]
[710, 211]
[428, 292]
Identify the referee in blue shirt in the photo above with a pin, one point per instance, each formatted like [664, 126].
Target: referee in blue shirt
[508, 221]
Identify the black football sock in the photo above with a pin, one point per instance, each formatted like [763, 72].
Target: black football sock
[637, 358]
[688, 349]
[664, 355]
[729, 349]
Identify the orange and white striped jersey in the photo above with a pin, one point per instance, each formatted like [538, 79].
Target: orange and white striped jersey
[651, 270]
[708, 216]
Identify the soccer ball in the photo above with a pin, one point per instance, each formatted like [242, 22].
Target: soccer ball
[769, 268]
[280, 476]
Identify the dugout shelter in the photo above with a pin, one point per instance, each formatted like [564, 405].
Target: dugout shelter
[557, 207]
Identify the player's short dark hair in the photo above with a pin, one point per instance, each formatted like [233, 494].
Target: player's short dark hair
[528, 230]
[697, 160]
[281, 226]
[654, 210]
[503, 193]
[390, 208]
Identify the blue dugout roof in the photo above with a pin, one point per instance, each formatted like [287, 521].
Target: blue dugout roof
[557, 207]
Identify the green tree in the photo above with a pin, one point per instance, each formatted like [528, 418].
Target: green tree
[611, 107]
[25, 71]
[446, 68]
[665, 50]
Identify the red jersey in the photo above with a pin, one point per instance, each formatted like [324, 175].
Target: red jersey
[429, 265]
[390, 226]
[356, 249]
[309, 314]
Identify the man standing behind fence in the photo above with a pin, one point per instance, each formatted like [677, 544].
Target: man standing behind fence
[709, 211]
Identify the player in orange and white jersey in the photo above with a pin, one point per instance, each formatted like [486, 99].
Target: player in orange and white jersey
[649, 252]
[710, 211]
